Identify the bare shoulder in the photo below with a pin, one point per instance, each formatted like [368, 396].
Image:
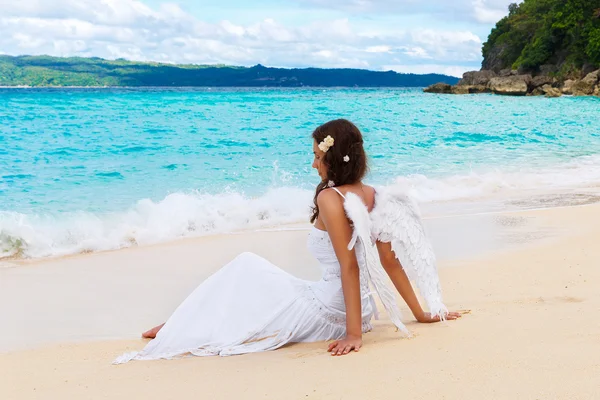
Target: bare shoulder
[331, 208]
[329, 198]
[331, 205]
[370, 194]
[369, 191]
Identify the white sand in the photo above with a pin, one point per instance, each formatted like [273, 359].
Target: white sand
[531, 280]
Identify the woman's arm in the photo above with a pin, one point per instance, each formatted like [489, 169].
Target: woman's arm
[333, 216]
[400, 280]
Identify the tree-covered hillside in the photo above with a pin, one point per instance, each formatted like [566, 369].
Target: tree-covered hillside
[76, 71]
[551, 36]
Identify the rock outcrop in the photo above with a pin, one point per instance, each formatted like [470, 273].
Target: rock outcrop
[515, 85]
[567, 87]
[508, 72]
[541, 80]
[593, 77]
[439, 88]
[479, 89]
[444, 88]
[553, 92]
[476, 78]
[460, 89]
[583, 88]
[537, 92]
[546, 90]
[511, 82]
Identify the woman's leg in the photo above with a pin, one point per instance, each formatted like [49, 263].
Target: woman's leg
[151, 334]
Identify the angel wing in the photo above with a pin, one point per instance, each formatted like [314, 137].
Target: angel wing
[395, 219]
[359, 215]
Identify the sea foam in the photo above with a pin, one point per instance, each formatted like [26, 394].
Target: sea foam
[192, 214]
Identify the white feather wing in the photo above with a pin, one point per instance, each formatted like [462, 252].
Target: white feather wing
[358, 213]
[395, 219]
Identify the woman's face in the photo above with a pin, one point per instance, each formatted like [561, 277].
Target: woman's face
[318, 163]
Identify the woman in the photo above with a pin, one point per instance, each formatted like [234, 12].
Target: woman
[250, 305]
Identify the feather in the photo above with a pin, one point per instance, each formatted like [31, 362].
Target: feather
[359, 215]
[396, 219]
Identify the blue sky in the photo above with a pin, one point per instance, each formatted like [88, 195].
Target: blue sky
[417, 36]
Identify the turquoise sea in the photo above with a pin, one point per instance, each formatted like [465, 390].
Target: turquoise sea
[86, 170]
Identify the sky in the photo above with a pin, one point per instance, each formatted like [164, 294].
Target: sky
[418, 36]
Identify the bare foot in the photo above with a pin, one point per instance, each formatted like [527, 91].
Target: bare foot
[151, 334]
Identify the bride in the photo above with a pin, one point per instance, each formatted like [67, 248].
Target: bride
[359, 235]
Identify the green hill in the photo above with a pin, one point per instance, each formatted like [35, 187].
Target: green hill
[42, 71]
[560, 37]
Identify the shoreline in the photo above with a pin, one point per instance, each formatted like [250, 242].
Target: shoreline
[523, 203]
[528, 323]
[456, 240]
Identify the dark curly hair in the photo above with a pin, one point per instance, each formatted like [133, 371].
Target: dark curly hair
[348, 141]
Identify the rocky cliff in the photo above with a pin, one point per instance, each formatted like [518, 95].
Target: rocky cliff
[542, 47]
[560, 37]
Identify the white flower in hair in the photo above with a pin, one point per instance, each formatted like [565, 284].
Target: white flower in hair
[346, 158]
[326, 144]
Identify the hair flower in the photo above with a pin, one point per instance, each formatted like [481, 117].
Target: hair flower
[346, 158]
[326, 144]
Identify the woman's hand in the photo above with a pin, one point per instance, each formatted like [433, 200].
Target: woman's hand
[343, 347]
[426, 318]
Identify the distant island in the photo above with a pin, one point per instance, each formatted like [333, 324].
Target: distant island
[46, 71]
[542, 47]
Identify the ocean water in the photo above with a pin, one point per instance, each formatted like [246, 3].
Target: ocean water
[89, 170]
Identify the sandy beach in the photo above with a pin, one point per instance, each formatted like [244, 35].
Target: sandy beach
[153, 152]
[530, 280]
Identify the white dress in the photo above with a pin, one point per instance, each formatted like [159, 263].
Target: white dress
[250, 305]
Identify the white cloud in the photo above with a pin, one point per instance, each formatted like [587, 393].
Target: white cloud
[417, 52]
[448, 45]
[480, 11]
[378, 49]
[490, 11]
[133, 30]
